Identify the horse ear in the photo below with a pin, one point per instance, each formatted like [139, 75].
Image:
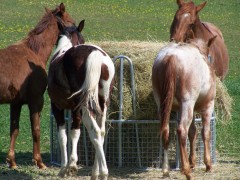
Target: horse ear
[201, 6]
[179, 2]
[81, 26]
[211, 40]
[47, 10]
[62, 8]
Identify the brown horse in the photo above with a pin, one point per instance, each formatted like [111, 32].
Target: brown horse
[80, 78]
[186, 24]
[179, 86]
[23, 77]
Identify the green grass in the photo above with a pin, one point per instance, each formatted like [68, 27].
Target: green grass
[118, 20]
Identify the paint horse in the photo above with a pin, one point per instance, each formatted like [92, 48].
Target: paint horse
[23, 77]
[186, 24]
[184, 81]
[80, 79]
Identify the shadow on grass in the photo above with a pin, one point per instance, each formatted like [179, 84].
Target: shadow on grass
[27, 170]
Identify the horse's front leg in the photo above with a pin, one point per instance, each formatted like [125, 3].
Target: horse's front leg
[15, 110]
[95, 135]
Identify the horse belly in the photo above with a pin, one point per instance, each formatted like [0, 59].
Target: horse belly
[8, 93]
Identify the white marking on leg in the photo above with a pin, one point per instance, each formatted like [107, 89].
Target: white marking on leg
[62, 138]
[75, 134]
[96, 138]
[165, 167]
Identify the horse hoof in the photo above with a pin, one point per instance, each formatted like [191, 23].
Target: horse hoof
[208, 168]
[39, 164]
[72, 170]
[42, 166]
[189, 177]
[104, 177]
[11, 163]
[63, 172]
[166, 174]
[94, 177]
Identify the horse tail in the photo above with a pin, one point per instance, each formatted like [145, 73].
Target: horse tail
[88, 93]
[168, 87]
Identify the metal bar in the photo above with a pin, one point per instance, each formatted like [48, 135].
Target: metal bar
[138, 146]
[122, 58]
[120, 86]
[120, 144]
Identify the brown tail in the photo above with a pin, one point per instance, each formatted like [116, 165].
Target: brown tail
[167, 91]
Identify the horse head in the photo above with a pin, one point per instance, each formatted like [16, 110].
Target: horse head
[63, 18]
[184, 20]
[74, 33]
[70, 37]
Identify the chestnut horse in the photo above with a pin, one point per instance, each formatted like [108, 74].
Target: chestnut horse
[80, 79]
[186, 24]
[23, 77]
[184, 81]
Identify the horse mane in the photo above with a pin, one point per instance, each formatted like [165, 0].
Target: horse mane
[186, 8]
[34, 41]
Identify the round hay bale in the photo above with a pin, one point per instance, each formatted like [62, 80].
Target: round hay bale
[142, 54]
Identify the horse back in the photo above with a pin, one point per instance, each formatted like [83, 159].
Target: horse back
[192, 84]
[18, 67]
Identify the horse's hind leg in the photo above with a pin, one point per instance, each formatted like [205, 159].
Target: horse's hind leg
[165, 140]
[15, 110]
[192, 135]
[101, 119]
[35, 107]
[97, 140]
[206, 136]
[62, 137]
[75, 134]
[182, 130]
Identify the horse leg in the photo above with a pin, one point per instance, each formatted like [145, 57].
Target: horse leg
[182, 130]
[165, 140]
[35, 108]
[206, 136]
[75, 134]
[101, 119]
[62, 138]
[96, 138]
[15, 110]
[102, 126]
[192, 136]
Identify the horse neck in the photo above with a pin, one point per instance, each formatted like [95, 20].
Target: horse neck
[48, 43]
[45, 42]
[200, 31]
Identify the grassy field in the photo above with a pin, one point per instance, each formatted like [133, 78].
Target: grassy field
[146, 20]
